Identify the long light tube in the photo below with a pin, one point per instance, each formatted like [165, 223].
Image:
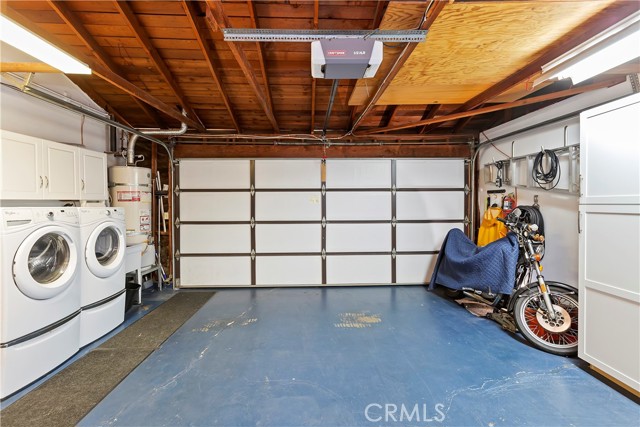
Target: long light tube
[609, 49]
[20, 38]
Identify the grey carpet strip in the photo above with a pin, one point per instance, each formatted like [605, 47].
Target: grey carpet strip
[67, 397]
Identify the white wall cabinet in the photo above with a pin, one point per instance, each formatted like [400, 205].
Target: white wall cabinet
[609, 323]
[93, 175]
[60, 171]
[20, 167]
[36, 169]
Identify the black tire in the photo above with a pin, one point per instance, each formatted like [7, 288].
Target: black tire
[560, 337]
[452, 293]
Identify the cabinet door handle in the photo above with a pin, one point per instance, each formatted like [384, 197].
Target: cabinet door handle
[46, 182]
[41, 181]
[82, 181]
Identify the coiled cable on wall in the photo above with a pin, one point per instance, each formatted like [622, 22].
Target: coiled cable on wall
[540, 175]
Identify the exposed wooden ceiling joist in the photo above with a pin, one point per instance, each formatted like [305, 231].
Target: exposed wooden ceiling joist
[429, 113]
[192, 15]
[86, 88]
[261, 60]
[388, 115]
[27, 67]
[138, 30]
[451, 67]
[431, 14]
[217, 19]
[500, 107]
[98, 52]
[135, 91]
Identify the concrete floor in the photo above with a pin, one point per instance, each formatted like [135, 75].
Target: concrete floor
[354, 357]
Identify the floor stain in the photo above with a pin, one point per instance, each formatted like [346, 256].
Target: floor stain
[357, 320]
[223, 324]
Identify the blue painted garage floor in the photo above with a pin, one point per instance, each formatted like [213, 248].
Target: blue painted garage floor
[354, 357]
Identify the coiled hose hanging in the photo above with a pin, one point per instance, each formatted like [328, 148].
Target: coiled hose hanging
[544, 177]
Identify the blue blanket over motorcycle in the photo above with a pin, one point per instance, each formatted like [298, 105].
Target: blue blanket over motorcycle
[462, 264]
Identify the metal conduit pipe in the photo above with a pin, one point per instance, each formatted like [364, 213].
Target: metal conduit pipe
[79, 109]
[131, 146]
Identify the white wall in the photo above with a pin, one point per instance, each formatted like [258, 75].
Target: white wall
[24, 114]
[560, 209]
[27, 115]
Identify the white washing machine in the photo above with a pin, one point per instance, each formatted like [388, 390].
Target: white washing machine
[102, 275]
[39, 293]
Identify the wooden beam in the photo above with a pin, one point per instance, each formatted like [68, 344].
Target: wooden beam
[83, 84]
[98, 69]
[432, 13]
[461, 124]
[217, 19]
[316, 12]
[61, 8]
[592, 27]
[389, 114]
[260, 50]
[500, 107]
[317, 152]
[27, 67]
[138, 30]
[429, 114]
[131, 89]
[381, 8]
[193, 17]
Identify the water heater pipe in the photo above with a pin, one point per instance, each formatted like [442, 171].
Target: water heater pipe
[131, 146]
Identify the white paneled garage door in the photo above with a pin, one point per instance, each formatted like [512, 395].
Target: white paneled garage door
[305, 222]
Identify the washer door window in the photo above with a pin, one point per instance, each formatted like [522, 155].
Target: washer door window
[105, 250]
[45, 264]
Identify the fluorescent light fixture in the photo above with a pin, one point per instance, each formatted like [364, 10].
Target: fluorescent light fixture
[20, 38]
[615, 46]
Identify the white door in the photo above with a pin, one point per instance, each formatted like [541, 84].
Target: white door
[105, 249]
[289, 223]
[61, 167]
[93, 175]
[609, 282]
[46, 263]
[20, 167]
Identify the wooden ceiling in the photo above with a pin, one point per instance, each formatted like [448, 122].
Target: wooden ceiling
[152, 59]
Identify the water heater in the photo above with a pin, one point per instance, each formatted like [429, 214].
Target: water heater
[130, 189]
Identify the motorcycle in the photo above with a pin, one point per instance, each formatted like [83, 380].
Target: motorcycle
[545, 312]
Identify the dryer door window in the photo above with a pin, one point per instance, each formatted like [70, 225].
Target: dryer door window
[105, 249]
[49, 258]
[107, 246]
[46, 263]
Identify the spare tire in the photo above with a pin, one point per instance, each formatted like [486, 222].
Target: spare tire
[532, 215]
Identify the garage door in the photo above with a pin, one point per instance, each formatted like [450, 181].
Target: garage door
[309, 222]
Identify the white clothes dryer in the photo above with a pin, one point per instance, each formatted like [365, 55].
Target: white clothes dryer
[102, 275]
[39, 293]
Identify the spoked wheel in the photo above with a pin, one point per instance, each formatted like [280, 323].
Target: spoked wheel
[558, 336]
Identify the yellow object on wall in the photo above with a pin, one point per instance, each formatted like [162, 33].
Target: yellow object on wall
[491, 229]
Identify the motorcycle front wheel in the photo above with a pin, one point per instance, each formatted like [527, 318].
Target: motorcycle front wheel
[559, 336]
